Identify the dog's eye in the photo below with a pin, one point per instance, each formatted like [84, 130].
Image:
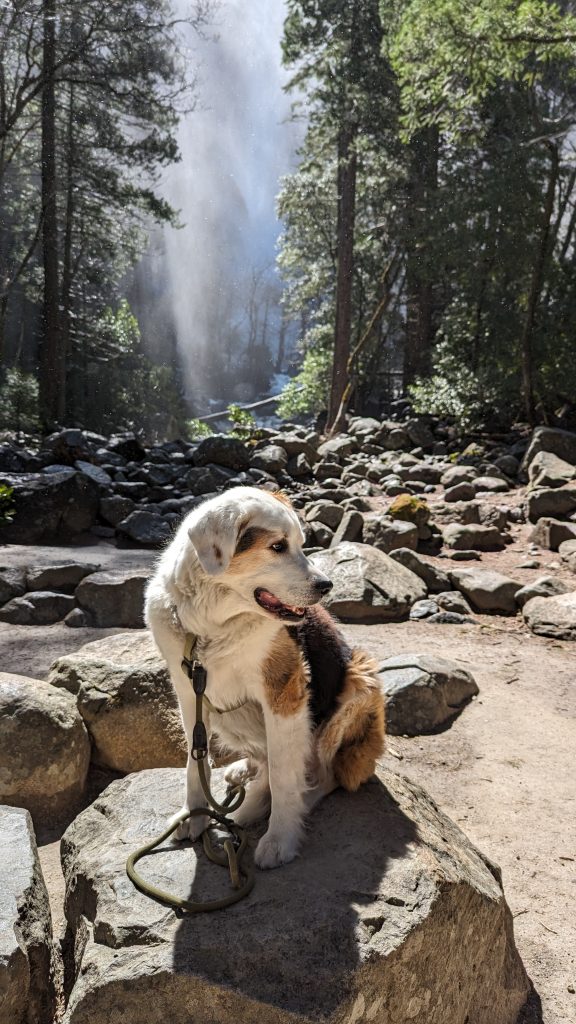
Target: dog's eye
[279, 546]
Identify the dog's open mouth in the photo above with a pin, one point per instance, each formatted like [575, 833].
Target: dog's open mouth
[274, 606]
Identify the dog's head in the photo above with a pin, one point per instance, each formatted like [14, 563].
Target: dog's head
[252, 541]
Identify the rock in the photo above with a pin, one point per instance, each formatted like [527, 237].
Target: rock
[410, 509]
[76, 619]
[368, 585]
[12, 583]
[494, 515]
[146, 528]
[419, 432]
[544, 586]
[272, 459]
[322, 534]
[445, 618]
[465, 556]
[551, 503]
[299, 467]
[462, 537]
[127, 446]
[387, 534]
[486, 590]
[423, 692]
[222, 450]
[65, 576]
[434, 578]
[27, 993]
[507, 464]
[567, 548]
[389, 900]
[114, 598]
[44, 749]
[349, 529]
[547, 470]
[423, 609]
[546, 439]
[465, 512]
[40, 608]
[493, 484]
[95, 473]
[115, 508]
[339, 447]
[550, 533]
[453, 601]
[294, 446]
[124, 694]
[50, 506]
[326, 512]
[460, 492]
[458, 475]
[552, 616]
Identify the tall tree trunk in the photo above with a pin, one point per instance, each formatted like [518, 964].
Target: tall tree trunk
[52, 382]
[280, 355]
[419, 281]
[536, 282]
[66, 300]
[344, 271]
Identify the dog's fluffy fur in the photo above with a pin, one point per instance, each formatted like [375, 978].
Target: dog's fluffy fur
[235, 576]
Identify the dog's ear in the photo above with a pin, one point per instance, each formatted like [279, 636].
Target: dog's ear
[214, 538]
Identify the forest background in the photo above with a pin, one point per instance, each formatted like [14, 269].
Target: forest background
[429, 227]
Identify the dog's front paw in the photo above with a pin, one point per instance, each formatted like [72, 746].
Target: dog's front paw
[191, 828]
[274, 850]
[240, 772]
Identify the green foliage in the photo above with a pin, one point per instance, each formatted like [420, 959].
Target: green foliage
[195, 430]
[449, 55]
[122, 388]
[307, 392]
[454, 391]
[7, 509]
[19, 401]
[245, 426]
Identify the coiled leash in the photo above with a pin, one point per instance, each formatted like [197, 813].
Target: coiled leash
[234, 846]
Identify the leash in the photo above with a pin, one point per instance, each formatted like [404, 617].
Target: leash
[234, 846]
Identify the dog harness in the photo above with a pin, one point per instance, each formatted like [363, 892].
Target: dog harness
[227, 853]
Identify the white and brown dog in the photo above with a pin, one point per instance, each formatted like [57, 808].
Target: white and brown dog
[236, 577]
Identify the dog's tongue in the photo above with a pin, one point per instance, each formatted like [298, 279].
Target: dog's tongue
[269, 600]
[272, 604]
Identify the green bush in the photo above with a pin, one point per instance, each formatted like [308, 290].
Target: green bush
[307, 392]
[7, 509]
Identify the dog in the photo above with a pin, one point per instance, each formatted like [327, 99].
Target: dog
[312, 711]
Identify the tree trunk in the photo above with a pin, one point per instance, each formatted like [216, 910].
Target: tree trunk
[419, 281]
[536, 282]
[52, 393]
[66, 301]
[344, 271]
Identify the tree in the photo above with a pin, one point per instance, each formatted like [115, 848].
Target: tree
[350, 104]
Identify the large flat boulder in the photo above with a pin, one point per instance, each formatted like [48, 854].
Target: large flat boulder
[487, 591]
[390, 914]
[548, 439]
[124, 694]
[44, 750]
[552, 616]
[27, 994]
[114, 598]
[50, 506]
[423, 692]
[369, 586]
[547, 470]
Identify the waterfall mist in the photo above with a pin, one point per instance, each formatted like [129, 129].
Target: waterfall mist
[235, 147]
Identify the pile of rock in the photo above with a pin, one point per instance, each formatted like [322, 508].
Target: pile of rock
[380, 491]
[74, 592]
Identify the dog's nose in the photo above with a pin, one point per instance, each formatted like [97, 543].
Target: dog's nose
[323, 586]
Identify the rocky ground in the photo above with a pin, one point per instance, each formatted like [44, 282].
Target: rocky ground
[437, 552]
